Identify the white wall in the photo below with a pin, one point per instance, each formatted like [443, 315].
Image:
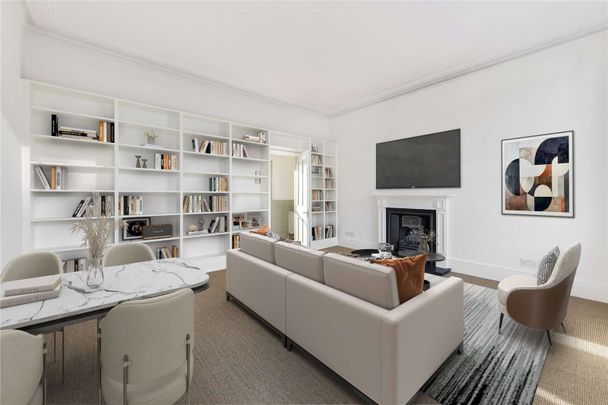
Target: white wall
[560, 88]
[13, 19]
[282, 176]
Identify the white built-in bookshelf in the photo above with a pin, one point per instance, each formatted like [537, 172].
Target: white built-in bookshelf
[110, 169]
[323, 195]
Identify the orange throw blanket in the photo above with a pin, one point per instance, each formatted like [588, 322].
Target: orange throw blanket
[410, 274]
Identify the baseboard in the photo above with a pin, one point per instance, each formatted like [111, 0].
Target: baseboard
[581, 288]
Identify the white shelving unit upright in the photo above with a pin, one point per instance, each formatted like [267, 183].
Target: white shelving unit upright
[323, 195]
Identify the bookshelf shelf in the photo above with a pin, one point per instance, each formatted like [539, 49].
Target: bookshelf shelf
[172, 214]
[60, 219]
[205, 235]
[50, 138]
[73, 165]
[323, 186]
[206, 213]
[213, 155]
[207, 192]
[213, 174]
[144, 147]
[149, 126]
[249, 142]
[204, 134]
[250, 159]
[150, 240]
[71, 191]
[137, 169]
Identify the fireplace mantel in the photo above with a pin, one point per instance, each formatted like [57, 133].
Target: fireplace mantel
[439, 203]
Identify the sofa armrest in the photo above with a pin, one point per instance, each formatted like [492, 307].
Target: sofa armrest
[418, 336]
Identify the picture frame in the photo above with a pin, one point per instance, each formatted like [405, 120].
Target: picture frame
[537, 175]
[133, 228]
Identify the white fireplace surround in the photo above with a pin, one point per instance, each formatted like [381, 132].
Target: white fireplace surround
[423, 202]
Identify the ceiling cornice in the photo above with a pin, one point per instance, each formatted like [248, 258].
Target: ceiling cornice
[170, 69]
[404, 89]
[462, 71]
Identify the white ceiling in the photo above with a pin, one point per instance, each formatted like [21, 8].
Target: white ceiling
[327, 57]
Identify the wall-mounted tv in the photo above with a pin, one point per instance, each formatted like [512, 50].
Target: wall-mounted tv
[426, 161]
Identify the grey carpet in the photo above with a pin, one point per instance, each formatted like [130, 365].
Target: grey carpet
[240, 361]
[494, 369]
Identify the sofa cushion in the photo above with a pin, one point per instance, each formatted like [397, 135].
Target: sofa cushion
[300, 259]
[410, 274]
[373, 283]
[258, 246]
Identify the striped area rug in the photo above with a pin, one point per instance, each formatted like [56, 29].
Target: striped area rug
[494, 369]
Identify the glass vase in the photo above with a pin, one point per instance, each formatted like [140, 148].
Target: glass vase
[424, 247]
[95, 273]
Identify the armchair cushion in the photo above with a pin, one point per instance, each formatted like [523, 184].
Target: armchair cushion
[546, 266]
[512, 282]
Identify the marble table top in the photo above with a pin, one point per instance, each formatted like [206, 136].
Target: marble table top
[122, 283]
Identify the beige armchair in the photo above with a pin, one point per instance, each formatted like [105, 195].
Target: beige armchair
[540, 306]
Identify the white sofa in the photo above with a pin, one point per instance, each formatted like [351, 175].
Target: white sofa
[346, 313]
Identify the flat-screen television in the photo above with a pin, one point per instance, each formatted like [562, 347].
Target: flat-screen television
[426, 161]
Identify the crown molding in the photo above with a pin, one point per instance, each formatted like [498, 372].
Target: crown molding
[170, 69]
[398, 91]
[463, 70]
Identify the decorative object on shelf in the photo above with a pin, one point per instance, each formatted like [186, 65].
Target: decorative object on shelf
[314, 149]
[258, 178]
[255, 221]
[423, 237]
[157, 231]
[192, 228]
[144, 163]
[259, 138]
[150, 136]
[138, 163]
[97, 230]
[134, 228]
[537, 175]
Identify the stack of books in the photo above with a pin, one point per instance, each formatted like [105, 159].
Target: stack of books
[130, 205]
[163, 161]
[29, 290]
[56, 180]
[219, 184]
[260, 137]
[329, 231]
[239, 150]
[236, 241]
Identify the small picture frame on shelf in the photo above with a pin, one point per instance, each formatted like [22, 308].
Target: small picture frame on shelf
[255, 221]
[134, 228]
[236, 221]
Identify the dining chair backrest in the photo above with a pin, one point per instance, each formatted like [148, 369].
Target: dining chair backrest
[30, 265]
[128, 253]
[152, 333]
[22, 366]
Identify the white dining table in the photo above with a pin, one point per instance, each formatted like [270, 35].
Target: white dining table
[78, 303]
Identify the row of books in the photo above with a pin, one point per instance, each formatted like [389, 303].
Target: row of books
[107, 206]
[239, 150]
[329, 183]
[163, 161]
[210, 147]
[316, 160]
[219, 184]
[211, 225]
[236, 241]
[328, 172]
[25, 291]
[317, 195]
[328, 232]
[130, 205]
[193, 203]
[56, 180]
[104, 133]
[165, 253]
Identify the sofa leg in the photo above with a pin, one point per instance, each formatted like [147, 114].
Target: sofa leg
[227, 296]
[460, 348]
[500, 322]
[549, 337]
[285, 340]
[289, 345]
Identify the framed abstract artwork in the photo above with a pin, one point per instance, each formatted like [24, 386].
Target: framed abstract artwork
[537, 175]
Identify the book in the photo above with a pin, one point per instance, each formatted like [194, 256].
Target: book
[42, 177]
[54, 125]
[174, 251]
[81, 264]
[28, 298]
[77, 210]
[30, 285]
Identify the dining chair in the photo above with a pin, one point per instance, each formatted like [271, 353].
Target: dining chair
[37, 264]
[23, 368]
[146, 350]
[540, 306]
[127, 253]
